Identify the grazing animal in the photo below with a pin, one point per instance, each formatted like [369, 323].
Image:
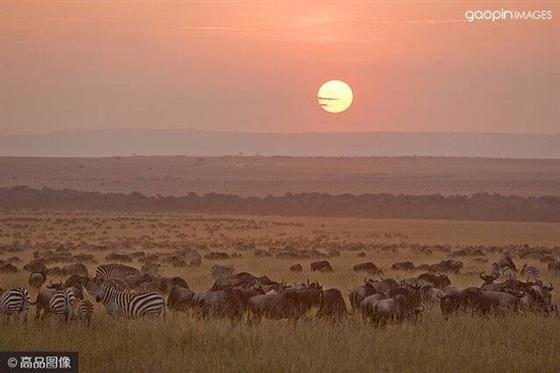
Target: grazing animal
[509, 273]
[221, 303]
[220, 271]
[291, 303]
[37, 279]
[114, 271]
[15, 302]
[126, 304]
[84, 311]
[62, 304]
[321, 266]
[368, 267]
[332, 305]
[394, 309]
[180, 298]
[296, 268]
[529, 273]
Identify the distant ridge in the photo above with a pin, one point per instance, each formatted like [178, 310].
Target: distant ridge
[125, 142]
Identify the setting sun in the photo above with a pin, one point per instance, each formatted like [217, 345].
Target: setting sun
[335, 96]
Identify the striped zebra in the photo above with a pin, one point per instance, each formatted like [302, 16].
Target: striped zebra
[530, 273]
[84, 311]
[219, 271]
[114, 271]
[126, 304]
[62, 304]
[15, 302]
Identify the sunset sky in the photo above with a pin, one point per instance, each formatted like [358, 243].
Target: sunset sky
[257, 66]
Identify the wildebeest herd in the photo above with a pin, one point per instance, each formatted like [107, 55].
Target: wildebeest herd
[125, 291]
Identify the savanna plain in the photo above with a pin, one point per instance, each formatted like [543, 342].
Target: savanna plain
[524, 342]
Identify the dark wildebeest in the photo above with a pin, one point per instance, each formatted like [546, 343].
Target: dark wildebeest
[76, 269]
[79, 282]
[403, 266]
[290, 303]
[370, 287]
[393, 309]
[332, 305]
[477, 301]
[368, 267]
[230, 302]
[367, 305]
[36, 265]
[37, 279]
[245, 280]
[180, 298]
[321, 266]
[447, 266]
[437, 281]
[296, 268]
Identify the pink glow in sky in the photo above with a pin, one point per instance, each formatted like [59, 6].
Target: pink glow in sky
[257, 65]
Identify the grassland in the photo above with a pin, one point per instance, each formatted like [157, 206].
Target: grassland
[260, 176]
[183, 343]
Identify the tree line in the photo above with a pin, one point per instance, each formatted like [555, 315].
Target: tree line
[481, 206]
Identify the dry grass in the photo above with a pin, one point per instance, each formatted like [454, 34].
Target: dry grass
[183, 343]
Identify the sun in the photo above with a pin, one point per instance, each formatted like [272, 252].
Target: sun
[335, 96]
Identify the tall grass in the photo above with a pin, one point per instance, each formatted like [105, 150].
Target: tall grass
[183, 343]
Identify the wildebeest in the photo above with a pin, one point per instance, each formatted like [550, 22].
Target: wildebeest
[36, 265]
[437, 281]
[37, 279]
[180, 298]
[75, 269]
[296, 268]
[8, 268]
[230, 303]
[291, 303]
[332, 305]
[478, 301]
[370, 287]
[368, 267]
[446, 266]
[321, 266]
[403, 266]
[393, 309]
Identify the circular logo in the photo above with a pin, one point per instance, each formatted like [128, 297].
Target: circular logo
[12, 362]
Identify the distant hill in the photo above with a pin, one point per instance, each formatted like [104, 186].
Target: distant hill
[123, 142]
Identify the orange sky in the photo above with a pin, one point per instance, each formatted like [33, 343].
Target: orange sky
[256, 66]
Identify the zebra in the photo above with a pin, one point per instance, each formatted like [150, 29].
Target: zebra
[62, 303]
[219, 271]
[530, 273]
[84, 311]
[15, 302]
[126, 304]
[114, 270]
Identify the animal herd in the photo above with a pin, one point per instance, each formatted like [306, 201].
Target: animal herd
[125, 291]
